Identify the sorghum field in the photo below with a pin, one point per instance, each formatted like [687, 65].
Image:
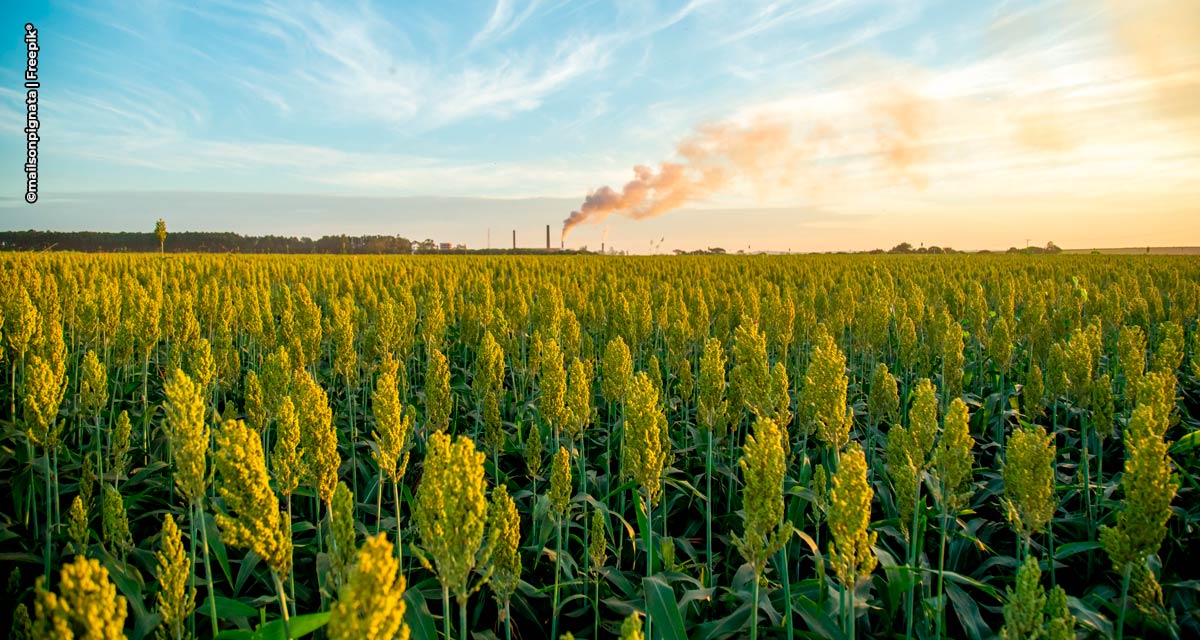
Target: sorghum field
[526, 447]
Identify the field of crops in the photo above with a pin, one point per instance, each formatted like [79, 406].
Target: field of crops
[660, 447]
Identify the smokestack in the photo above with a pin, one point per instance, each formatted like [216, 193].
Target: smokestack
[514, 239]
[601, 248]
[547, 237]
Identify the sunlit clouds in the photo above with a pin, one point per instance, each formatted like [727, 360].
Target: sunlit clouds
[821, 125]
[1092, 136]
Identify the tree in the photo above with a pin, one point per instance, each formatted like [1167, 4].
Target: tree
[160, 231]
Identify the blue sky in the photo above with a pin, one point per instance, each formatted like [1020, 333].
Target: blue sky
[408, 106]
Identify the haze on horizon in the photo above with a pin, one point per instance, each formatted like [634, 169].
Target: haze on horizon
[806, 126]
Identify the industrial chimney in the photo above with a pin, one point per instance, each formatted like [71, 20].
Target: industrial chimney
[547, 237]
[514, 239]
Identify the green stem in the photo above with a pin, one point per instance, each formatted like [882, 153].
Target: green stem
[379, 504]
[557, 570]
[462, 619]
[1087, 482]
[1050, 535]
[1000, 426]
[57, 492]
[913, 543]
[708, 511]
[446, 612]
[353, 442]
[732, 435]
[787, 593]
[192, 577]
[317, 518]
[941, 576]
[849, 589]
[287, 625]
[212, 601]
[1124, 602]
[49, 534]
[663, 484]
[100, 448]
[292, 573]
[596, 609]
[145, 404]
[399, 548]
[649, 553]
[753, 609]
[1087, 492]
[842, 608]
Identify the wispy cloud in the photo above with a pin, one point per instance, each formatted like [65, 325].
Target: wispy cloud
[503, 22]
[1060, 122]
[901, 107]
[349, 58]
[265, 95]
[760, 17]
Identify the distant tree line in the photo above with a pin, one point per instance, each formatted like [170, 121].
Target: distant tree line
[197, 242]
[1049, 248]
[906, 248]
[228, 242]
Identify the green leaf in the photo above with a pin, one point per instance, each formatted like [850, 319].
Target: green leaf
[643, 523]
[235, 634]
[663, 609]
[1072, 548]
[128, 582]
[297, 627]
[967, 612]
[228, 608]
[1187, 443]
[1089, 617]
[217, 546]
[144, 625]
[959, 578]
[729, 626]
[416, 614]
[817, 618]
[246, 570]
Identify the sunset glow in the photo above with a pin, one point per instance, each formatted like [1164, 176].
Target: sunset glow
[827, 125]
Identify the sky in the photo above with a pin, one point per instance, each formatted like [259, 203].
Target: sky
[755, 125]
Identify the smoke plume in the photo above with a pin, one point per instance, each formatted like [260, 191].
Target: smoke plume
[766, 154]
[710, 158]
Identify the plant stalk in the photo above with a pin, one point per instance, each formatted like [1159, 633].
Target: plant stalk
[287, 625]
[399, 547]
[49, 511]
[212, 602]
[462, 619]
[557, 570]
[942, 575]
[754, 609]
[1124, 602]
[708, 511]
[446, 612]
